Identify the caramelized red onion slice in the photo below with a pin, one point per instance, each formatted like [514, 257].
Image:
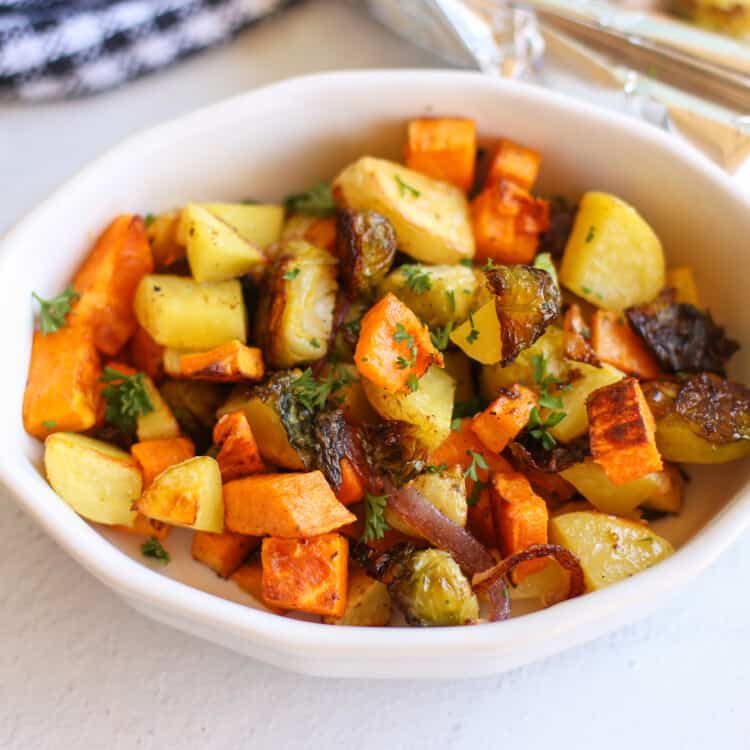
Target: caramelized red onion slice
[498, 596]
[487, 579]
[439, 530]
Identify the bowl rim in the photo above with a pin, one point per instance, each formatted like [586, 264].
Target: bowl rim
[135, 580]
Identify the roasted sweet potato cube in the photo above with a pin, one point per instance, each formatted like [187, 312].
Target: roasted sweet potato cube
[443, 148]
[479, 520]
[621, 432]
[290, 505]
[232, 362]
[577, 338]
[62, 388]
[154, 456]
[309, 575]
[505, 417]
[617, 344]
[144, 526]
[147, 355]
[249, 577]
[223, 553]
[515, 163]
[520, 518]
[238, 452]
[352, 488]
[162, 231]
[107, 281]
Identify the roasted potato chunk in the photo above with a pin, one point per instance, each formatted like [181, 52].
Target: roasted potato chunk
[612, 259]
[260, 224]
[295, 311]
[609, 549]
[181, 313]
[431, 218]
[368, 603]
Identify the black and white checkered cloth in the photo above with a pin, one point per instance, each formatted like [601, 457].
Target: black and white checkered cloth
[63, 48]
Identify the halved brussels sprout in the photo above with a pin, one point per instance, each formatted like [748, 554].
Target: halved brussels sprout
[295, 311]
[366, 246]
[430, 589]
[527, 300]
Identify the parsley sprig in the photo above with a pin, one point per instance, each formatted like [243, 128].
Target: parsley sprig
[403, 336]
[405, 187]
[317, 201]
[291, 275]
[441, 336]
[539, 428]
[375, 523]
[417, 279]
[152, 548]
[477, 460]
[474, 332]
[53, 312]
[124, 398]
[312, 393]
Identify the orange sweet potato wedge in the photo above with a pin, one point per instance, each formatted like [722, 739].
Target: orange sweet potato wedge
[577, 337]
[352, 488]
[309, 575]
[238, 452]
[443, 148]
[617, 344]
[505, 417]
[107, 281]
[521, 518]
[232, 362]
[154, 456]
[289, 505]
[223, 553]
[62, 388]
[394, 345]
[147, 355]
[249, 577]
[480, 522]
[515, 163]
[621, 432]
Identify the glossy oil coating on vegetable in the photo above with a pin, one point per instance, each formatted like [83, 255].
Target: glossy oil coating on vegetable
[416, 392]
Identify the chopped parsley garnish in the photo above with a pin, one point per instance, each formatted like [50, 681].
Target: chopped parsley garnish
[291, 275]
[432, 469]
[469, 408]
[152, 548]
[468, 262]
[591, 234]
[451, 295]
[477, 460]
[476, 492]
[149, 219]
[474, 332]
[456, 424]
[647, 540]
[413, 383]
[53, 312]
[403, 336]
[317, 201]
[441, 336]
[353, 326]
[375, 524]
[405, 187]
[585, 290]
[312, 393]
[489, 265]
[49, 424]
[544, 381]
[315, 343]
[124, 398]
[417, 279]
[538, 427]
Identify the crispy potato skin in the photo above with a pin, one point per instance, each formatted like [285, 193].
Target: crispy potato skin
[621, 431]
[309, 575]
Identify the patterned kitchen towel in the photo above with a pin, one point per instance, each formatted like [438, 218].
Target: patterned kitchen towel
[50, 49]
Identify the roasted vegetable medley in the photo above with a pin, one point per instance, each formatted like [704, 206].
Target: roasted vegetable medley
[418, 388]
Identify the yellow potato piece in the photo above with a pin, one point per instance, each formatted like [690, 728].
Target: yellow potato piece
[613, 259]
[677, 442]
[368, 603]
[159, 423]
[100, 482]
[609, 549]
[260, 224]
[479, 337]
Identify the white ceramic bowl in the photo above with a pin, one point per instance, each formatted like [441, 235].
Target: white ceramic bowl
[274, 140]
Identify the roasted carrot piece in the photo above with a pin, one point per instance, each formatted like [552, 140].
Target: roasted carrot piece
[394, 346]
[162, 232]
[286, 505]
[322, 233]
[107, 281]
[621, 432]
[505, 417]
[147, 355]
[238, 454]
[681, 279]
[480, 522]
[577, 337]
[144, 526]
[223, 553]
[617, 344]
[232, 362]
[62, 388]
[507, 221]
[520, 518]
[352, 488]
[154, 456]
[309, 575]
[515, 163]
[249, 577]
[443, 148]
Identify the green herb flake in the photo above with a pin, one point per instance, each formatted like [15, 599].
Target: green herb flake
[313, 394]
[317, 201]
[451, 300]
[152, 548]
[291, 275]
[591, 234]
[432, 469]
[49, 424]
[476, 493]
[585, 290]
[477, 461]
[405, 187]
[375, 524]
[456, 424]
[441, 336]
[417, 279]
[315, 343]
[468, 262]
[413, 383]
[125, 397]
[53, 312]
[149, 219]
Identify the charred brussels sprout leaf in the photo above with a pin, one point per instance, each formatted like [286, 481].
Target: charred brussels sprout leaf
[683, 338]
[392, 450]
[527, 300]
[333, 436]
[430, 589]
[661, 395]
[529, 453]
[366, 246]
[718, 410]
[562, 215]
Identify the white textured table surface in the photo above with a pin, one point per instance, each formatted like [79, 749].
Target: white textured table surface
[79, 668]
